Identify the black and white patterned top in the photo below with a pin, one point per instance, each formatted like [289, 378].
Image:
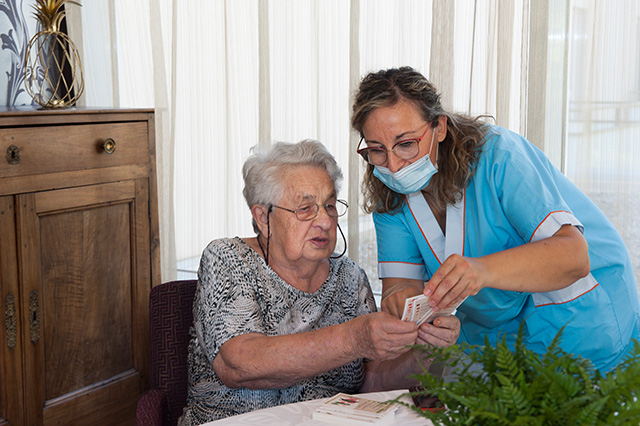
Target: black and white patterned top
[238, 293]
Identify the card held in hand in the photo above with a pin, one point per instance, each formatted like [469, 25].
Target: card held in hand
[417, 309]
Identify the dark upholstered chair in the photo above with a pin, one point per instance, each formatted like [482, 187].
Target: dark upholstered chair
[170, 317]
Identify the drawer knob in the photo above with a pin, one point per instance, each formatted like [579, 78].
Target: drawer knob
[13, 154]
[109, 146]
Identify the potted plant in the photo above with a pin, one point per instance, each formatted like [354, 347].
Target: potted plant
[493, 385]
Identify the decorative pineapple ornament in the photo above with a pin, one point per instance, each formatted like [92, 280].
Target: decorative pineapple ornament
[53, 72]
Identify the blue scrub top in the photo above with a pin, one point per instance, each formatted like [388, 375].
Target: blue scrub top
[517, 196]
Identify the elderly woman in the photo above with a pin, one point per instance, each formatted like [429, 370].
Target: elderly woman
[277, 318]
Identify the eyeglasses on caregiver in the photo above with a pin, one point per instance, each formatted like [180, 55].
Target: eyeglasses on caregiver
[405, 149]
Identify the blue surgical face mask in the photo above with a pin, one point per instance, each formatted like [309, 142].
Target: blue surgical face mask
[410, 179]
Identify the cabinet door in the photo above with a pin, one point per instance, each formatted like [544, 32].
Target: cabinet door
[84, 259]
[11, 393]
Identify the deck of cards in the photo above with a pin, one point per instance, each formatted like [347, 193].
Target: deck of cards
[417, 309]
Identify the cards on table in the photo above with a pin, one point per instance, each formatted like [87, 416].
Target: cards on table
[417, 309]
[345, 409]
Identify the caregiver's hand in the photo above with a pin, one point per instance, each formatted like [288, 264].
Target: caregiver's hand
[458, 277]
[396, 291]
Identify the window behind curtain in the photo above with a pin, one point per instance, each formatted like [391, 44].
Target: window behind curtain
[479, 53]
[603, 111]
[310, 99]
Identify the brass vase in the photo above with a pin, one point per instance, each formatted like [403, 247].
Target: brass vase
[53, 71]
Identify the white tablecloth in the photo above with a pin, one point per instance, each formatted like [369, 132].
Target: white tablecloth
[300, 413]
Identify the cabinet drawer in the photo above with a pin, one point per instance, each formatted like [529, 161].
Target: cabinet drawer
[53, 149]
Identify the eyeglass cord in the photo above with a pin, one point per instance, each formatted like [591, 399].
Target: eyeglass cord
[345, 244]
[262, 249]
[266, 256]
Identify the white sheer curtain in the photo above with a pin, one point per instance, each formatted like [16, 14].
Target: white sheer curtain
[226, 75]
[603, 111]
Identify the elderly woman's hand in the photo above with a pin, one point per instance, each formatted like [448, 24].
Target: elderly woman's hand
[380, 336]
[396, 291]
[443, 332]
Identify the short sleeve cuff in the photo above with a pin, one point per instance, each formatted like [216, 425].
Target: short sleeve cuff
[553, 222]
[414, 271]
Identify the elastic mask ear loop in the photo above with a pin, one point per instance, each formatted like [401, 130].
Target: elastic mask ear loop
[345, 244]
[437, 150]
[433, 138]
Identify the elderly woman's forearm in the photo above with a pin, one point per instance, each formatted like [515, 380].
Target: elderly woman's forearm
[256, 361]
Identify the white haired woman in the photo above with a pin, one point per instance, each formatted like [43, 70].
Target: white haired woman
[278, 318]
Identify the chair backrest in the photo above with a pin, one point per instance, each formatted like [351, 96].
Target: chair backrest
[170, 317]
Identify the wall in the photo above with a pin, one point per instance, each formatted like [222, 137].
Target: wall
[17, 26]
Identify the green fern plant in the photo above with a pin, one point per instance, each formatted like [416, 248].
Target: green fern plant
[496, 386]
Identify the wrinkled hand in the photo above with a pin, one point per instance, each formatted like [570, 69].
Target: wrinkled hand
[381, 337]
[394, 303]
[457, 278]
[443, 332]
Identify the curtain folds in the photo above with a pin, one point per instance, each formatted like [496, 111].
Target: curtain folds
[226, 75]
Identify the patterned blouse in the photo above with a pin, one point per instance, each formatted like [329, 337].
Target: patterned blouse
[238, 294]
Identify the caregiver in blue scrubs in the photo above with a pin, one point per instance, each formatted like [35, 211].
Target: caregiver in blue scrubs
[466, 210]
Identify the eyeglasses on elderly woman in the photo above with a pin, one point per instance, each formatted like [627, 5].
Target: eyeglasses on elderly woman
[309, 211]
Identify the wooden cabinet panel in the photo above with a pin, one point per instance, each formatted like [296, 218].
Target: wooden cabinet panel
[81, 259]
[10, 338]
[87, 315]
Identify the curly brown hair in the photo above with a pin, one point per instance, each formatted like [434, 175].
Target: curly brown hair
[458, 152]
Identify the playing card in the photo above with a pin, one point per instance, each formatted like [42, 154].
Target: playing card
[414, 307]
[407, 314]
[421, 308]
[417, 309]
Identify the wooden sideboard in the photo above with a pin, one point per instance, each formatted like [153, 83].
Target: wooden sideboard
[79, 253]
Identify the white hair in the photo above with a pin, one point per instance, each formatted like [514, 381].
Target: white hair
[263, 170]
